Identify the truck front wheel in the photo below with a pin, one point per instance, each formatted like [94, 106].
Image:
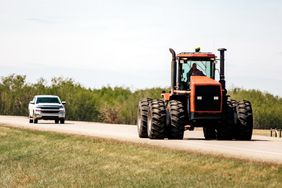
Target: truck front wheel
[62, 121]
[35, 121]
[30, 119]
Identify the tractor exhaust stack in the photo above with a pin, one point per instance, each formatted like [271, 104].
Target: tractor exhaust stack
[173, 69]
[221, 73]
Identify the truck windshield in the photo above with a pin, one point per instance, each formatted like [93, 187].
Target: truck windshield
[204, 66]
[47, 100]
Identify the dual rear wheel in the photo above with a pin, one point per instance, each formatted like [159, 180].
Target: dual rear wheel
[156, 120]
[237, 123]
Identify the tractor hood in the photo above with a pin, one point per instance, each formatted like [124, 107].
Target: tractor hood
[206, 95]
[203, 80]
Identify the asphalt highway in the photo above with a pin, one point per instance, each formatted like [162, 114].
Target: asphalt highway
[260, 148]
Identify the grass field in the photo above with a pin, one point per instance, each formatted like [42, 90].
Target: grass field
[41, 159]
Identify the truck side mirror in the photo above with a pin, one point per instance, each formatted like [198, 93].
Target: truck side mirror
[31, 102]
[63, 102]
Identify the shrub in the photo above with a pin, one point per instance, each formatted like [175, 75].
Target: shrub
[115, 104]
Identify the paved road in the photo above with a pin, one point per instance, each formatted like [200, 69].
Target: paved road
[261, 148]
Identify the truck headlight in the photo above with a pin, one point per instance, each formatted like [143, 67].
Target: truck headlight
[199, 98]
[37, 110]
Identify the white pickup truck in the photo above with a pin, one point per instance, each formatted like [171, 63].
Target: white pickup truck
[47, 107]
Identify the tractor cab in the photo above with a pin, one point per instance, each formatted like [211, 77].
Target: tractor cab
[203, 61]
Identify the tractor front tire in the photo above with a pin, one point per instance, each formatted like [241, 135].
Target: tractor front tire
[245, 120]
[209, 132]
[156, 119]
[176, 120]
[225, 130]
[142, 118]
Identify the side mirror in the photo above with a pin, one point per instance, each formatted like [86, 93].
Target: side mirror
[31, 102]
[63, 102]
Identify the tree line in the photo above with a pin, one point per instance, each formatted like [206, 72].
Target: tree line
[114, 104]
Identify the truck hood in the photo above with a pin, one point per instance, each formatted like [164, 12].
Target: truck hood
[51, 105]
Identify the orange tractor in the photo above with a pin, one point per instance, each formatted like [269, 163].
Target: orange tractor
[196, 99]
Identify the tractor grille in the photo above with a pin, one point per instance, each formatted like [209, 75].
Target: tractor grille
[208, 98]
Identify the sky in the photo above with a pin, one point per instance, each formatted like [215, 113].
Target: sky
[125, 43]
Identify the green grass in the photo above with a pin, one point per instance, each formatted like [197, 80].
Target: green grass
[40, 159]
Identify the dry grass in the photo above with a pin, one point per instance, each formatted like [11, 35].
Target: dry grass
[40, 159]
[263, 132]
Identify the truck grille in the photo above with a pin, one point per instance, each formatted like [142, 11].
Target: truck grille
[208, 98]
[50, 107]
[50, 111]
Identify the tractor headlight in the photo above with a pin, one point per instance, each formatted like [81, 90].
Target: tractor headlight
[216, 98]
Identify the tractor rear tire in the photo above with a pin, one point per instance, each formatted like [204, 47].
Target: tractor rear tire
[142, 118]
[245, 120]
[156, 119]
[209, 132]
[176, 120]
[225, 130]
[234, 103]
